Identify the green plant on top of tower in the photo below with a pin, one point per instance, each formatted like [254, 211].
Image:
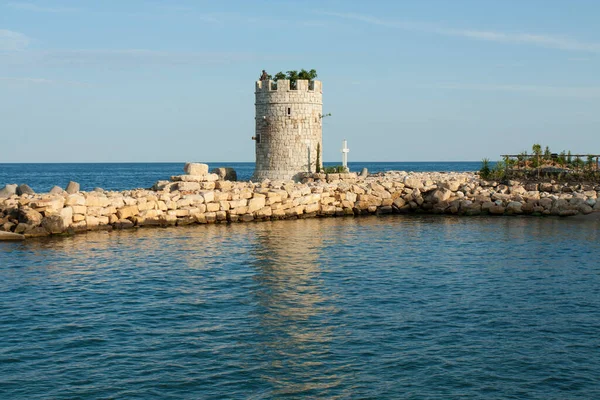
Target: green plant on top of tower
[278, 76]
[308, 75]
[293, 76]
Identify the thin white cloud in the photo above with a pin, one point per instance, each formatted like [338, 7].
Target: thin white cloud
[40, 81]
[10, 40]
[125, 58]
[554, 91]
[136, 57]
[37, 8]
[540, 40]
[27, 80]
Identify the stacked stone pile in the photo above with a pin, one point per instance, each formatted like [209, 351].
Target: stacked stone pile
[196, 178]
[330, 177]
[208, 200]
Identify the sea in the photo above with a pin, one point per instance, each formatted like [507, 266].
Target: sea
[374, 307]
[123, 176]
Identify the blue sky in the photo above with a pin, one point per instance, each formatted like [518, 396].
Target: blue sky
[91, 81]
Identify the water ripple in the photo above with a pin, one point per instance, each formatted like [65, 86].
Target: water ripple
[393, 307]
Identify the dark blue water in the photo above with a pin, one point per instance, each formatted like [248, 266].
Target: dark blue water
[377, 307]
[123, 176]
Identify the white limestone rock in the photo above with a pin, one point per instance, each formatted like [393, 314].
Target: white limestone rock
[56, 190]
[195, 169]
[188, 186]
[8, 190]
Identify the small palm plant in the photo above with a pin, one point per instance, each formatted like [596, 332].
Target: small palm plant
[499, 171]
[294, 75]
[293, 78]
[537, 152]
[485, 170]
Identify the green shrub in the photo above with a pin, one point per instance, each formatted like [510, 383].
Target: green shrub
[499, 171]
[294, 75]
[337, 169]
[485, 170]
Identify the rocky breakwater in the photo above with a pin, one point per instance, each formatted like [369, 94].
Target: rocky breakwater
[202, 198]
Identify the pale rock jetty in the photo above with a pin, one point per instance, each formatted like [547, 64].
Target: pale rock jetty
[200, 197]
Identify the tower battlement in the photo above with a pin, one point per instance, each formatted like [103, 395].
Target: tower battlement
[283, 85]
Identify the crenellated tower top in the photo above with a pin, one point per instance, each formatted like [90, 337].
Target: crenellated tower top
[283, 85]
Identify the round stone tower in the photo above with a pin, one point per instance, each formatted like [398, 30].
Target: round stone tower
[288, 129]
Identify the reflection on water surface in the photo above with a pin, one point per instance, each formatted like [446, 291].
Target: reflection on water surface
[386, 307]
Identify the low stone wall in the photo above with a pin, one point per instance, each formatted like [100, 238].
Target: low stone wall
[395, 192]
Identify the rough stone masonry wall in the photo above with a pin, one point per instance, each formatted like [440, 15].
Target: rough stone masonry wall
[229, 202]
[282, 137]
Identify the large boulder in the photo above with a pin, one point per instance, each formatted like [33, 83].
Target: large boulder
[56, 190]
[10, 236]
[48, 205]
[225, 174]
[496, 209]
[452, 185]
[75, 200]
[195, 178]
[585, 209]
[73, 187]
[440, 195]
[54, 223]
[8, 191]
[127, 212]
[413, 183]
[29, 216]
[24, 189]
[188, 186]
[514, 207]
[160, 185]
[195, 169]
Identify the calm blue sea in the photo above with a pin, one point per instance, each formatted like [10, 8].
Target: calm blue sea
[122, 176]
[394, 307]
[376, 307]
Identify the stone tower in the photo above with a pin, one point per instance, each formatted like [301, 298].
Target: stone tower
[288, 128]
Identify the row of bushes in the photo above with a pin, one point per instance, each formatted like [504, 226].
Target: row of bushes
[542, 164]
[546, 158]
[294, 76]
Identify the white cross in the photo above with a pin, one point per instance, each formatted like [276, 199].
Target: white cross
[345, 150]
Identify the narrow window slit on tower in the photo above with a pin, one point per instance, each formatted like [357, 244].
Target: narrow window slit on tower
[289, 111]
